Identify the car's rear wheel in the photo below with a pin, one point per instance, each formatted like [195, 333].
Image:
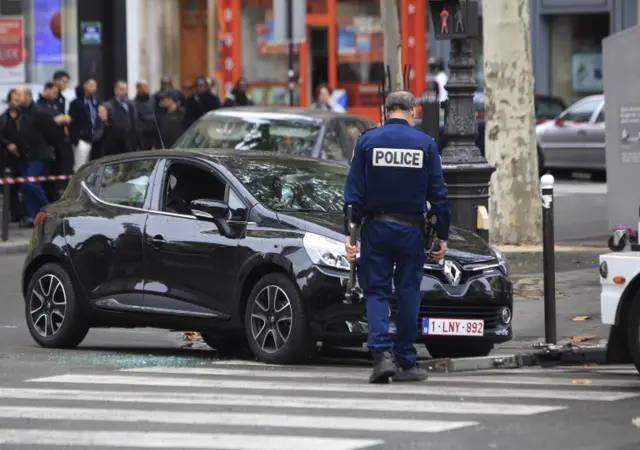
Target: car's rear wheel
[276, 322]
[458, 348]
[633, 331]
[51, 309]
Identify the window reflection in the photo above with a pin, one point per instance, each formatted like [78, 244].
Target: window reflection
[360, 51]
[264, 62]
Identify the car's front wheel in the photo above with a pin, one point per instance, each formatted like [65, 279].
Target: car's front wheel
[51, 309]
[458, 348]
[276, 322]
[633, 331]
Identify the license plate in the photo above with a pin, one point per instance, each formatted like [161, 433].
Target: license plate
[452, 327]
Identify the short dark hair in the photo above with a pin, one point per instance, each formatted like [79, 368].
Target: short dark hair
[49, 85]
[118, 82]
[61, 74]
[322, 86]
[89, 79]
[10, 94]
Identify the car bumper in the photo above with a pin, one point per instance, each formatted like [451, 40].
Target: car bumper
[483, 296]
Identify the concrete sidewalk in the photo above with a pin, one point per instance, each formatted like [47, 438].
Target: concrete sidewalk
[18, 241]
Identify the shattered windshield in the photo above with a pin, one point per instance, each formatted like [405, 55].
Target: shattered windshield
[294, 185]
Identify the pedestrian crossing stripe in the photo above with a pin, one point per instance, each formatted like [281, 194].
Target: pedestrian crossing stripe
[136, 439]
[311, 403]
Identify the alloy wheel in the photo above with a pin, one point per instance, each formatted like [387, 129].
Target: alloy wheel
[48, 305]
[271, 319]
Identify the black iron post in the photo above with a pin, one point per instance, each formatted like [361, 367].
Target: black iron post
[548, 258]
[6, 206]
[466, 170]
[291, 73]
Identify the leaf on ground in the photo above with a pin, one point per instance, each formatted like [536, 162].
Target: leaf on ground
[581, 381]
[191, 336]
[576, 339]
[581, 318]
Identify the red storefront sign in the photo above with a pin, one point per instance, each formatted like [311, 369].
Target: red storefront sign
[11, 42]
[226, 24]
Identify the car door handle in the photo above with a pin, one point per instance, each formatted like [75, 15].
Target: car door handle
[158, 240]
[582, 132]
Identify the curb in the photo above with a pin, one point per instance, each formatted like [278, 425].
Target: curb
[561, 355]
[529, 249]
[10, 248]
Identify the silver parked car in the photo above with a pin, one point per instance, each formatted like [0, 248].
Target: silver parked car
[575, 140]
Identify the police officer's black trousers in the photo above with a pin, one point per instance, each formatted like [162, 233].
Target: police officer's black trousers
[384, 244]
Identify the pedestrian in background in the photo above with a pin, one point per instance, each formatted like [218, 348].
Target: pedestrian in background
[37, 137]
[63, 162]
[238, 95]
[61, 80]
[323, 99]
[11, 147]
[200, 103]
[145, 106]
[166, 82]
[124, 128]
[172, 123]
[84, 122]
[395, 170]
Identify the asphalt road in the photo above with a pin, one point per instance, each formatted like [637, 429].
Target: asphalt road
[141, 389]
[580, 210]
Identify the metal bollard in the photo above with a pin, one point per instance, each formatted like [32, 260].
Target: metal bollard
[6, 207]
[548, 258]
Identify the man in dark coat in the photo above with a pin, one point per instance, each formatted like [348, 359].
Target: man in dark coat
[145, 106]
[10, 141]
[171, 124]
[84, 121]
[124, 120]
[61, 80]
[238, 96]
[199, 103]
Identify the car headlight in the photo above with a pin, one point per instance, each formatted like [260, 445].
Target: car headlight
[502, 260]
[325, 251]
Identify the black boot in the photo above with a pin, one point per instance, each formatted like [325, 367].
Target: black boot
[383, 368]
[415, 373]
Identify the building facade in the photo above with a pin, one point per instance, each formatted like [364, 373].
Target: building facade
[39, 37]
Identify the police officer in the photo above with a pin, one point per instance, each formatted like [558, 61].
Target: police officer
[395, 170]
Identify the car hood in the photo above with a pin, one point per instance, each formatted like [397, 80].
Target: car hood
[464, 246]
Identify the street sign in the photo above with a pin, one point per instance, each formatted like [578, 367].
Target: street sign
[454, 19]
[280, 22]
[91, 33]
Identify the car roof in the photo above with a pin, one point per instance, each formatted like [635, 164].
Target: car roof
[278, 111]
[217, 156]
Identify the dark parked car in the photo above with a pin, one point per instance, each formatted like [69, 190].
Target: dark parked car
[301, 132]
[244, 247]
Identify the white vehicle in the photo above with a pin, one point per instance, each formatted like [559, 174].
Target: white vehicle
[620, 304]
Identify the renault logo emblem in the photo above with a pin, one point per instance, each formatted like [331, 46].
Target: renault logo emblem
[452, 272]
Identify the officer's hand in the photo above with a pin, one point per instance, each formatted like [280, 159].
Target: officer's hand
[437, 255]
[352, 250]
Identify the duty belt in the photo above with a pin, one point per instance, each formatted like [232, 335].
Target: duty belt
[412, 220]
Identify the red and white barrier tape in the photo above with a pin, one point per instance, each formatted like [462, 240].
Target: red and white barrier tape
[17, 180]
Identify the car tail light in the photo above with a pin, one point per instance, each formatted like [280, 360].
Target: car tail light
[39, 218]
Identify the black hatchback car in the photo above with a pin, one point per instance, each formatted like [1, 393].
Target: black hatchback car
[246, 248]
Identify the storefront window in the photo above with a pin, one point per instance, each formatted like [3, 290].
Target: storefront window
[265, 63]
[576, 55]
[37, 38]
[360, 51]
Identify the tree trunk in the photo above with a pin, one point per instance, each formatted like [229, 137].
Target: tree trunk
[514, 205]
[390, 17]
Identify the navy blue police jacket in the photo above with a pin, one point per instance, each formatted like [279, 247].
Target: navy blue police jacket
[396, 168]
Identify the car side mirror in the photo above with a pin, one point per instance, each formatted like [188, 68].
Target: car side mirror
[212, 211]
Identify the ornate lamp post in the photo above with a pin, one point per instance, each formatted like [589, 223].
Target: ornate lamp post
[467, 171]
